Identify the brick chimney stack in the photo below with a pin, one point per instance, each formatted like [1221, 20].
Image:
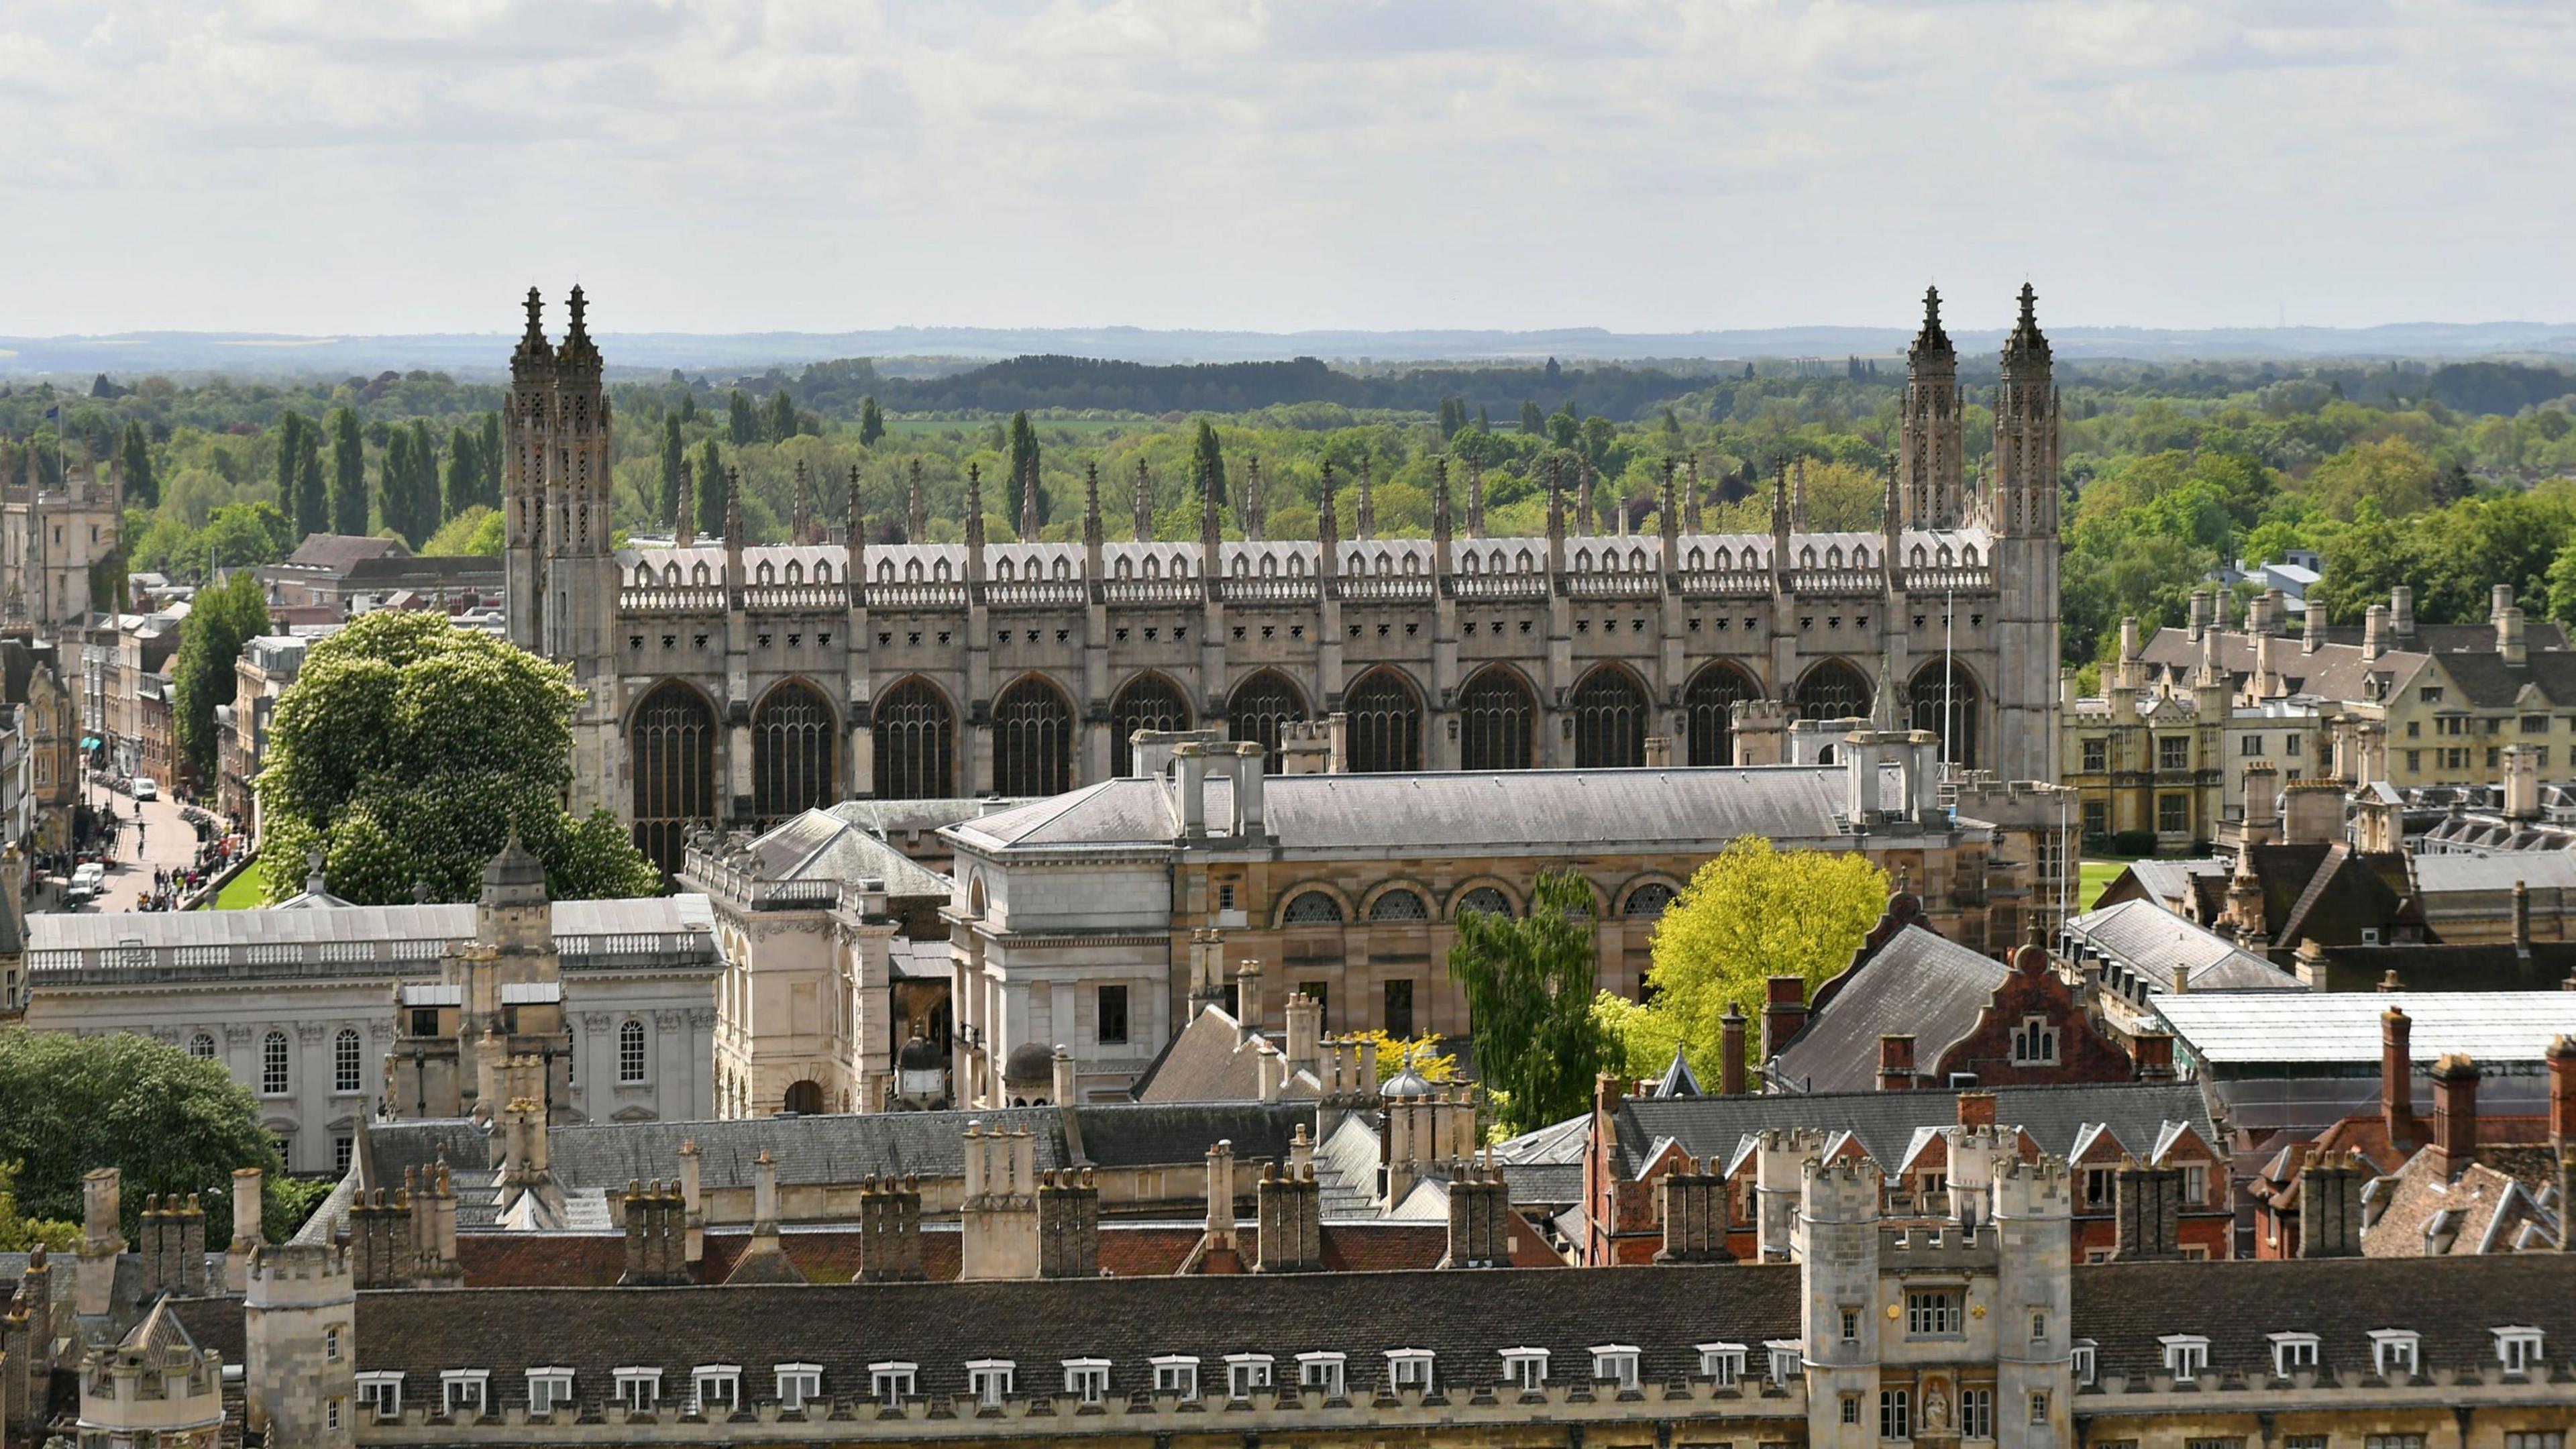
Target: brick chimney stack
[2397, 1076]
[1783, 1013]
[1976, 1109]
[1730, 1049]
[2152, 1051]
[2562, 1094]
[2146, 1213]
[2455, 1113]
[1896, 1062]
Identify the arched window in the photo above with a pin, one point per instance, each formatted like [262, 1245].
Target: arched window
[1385, 720]
[1032, 740]
[915, 735]
[1485, 900]
[1649, 899]
[805, 1099]
[1495, 711]
[1146, 702]
[1398, 905]
[672, 744]
[1257, 708]
[1708, 712]
[273, 1077]
[202, 1046]
[1609, 721]
[791, 753]
[348, 1068]
[630, 1051]
[1833, 690]
[1314, 908]
[1945, 702]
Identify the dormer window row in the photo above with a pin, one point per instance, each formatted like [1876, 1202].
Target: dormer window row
[2395, 1353]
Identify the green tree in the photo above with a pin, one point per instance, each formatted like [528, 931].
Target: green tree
[871, 422]
[202, 674]
[2391, 472]
[394, 495]
[489, 455]
[425, 509]
[407, 749]
[779, 424]
[1533, 423]
[464, 474]
[475, 531]
[348, 474]
[1529, 985]
[168, 1122]
[1210, 458]
[300, 490]
[1024, 466]
[19, 1232]
[244, 535]
[672, 450]
[134, 468]
[710, 485]
[1751, 913]
[742, 428]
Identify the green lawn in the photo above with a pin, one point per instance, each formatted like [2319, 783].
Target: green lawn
[241, 893]
[2098, 875]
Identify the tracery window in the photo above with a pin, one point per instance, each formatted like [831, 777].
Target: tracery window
[1495, 714]
[791, 753]
[1032, 740]
[1147, 702]
[1609, 721]
[916, 739]
[1833, 690]
[1708, 712]
[1257, 708]
[1947, 707]
[672, 744]
[1385, 724]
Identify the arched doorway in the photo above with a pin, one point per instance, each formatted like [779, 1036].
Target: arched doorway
[915, 737]
[1833, 690]
[1032, 740]
[1946, 702]
[1384, 718]
[804, 1098]
[1495, 720]
[1609, 720]
[1146, 702]
[1708, 712]
[672, 742]
[791, 753]
[1258, 706]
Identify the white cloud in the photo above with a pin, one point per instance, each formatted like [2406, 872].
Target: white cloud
[309, 165]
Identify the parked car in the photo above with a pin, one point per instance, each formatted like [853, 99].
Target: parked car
[88, 880]
[146, 788]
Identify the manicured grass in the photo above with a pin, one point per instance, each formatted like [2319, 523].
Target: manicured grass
[2098, 875]
[241, 893]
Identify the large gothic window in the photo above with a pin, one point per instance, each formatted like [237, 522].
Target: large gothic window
[1032, 740]
[1147, 702]
[1833, 690]
[791, 753]
[915, 735]
[673, 745]
[1948, 707]
[1708, 712]
[1609, 721]
[1257, 708]
[1384, 716]
[1495, 711]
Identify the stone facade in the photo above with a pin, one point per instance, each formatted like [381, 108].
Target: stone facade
[736, 685]
[50, 538]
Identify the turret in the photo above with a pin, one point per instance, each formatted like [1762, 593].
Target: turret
[916, 510]
[1439, 517]
[1092, 532]
[1930, 445]
[1328, 531]
[800, 517]
[1838, 1290]
[975, 523]
[684, 514]
[854, 540]
[1364, 521]
[527, 429]
[2026, 464]
[2033, 1344]
[299, 1341]
[1144, 522]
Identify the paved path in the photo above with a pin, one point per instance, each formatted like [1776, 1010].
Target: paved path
[167, 841]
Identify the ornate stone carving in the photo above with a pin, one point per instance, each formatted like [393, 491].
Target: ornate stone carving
[309, 1032]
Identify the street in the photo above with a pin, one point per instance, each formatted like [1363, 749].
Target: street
[166, 842]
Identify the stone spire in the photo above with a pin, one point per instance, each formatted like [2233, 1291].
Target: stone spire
[854, 542]
[974, 523]
[2026, 349]
[1555, 500]
[800, 525]
[1091, 525]
[577, 350]
[1254, 508]
[534, 351]
[684, 523]
[1028, 523]
[1439, 517]
[1668, 521]
[1929, 440]
[1780, 561]
[916, 512]
[1891, 522]
[1364, 525]
[1144, 503]
[1691, 501]
[1587, 516]
[1475, 499]
[1328, 527]
[733, 510]
[2024, 498]
[1798, 497]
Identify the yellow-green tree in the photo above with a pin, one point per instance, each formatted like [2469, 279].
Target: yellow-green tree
[1751, 913]
[2391, 472]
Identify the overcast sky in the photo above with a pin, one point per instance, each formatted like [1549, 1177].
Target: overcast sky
[339, 166]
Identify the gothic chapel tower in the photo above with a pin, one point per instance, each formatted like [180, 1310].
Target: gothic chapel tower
[1930, 440]
[527, 426]
[2022, 512]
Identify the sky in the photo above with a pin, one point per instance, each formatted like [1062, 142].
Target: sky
[325, 167]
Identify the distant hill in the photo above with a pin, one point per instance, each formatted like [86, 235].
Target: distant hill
[485, 354]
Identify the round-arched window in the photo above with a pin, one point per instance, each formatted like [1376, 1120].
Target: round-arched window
[630, 1051]
[348, 1068]
[273, 1078]
[1399, 905]
[202, 1046]
[1313, 908]
[1649, 899]
[1485, 900]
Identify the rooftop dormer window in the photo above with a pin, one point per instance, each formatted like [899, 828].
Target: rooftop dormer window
[2292, 1352]
[1245, 1372]
[1176, 1374]
[381, 1393]
[639, 1389]
[1785, 1354]
[1321, 1371]
[460, 1392]
[2518, 1349]
[1721, 1363]
[891, 1383]
[2394, 1352]
[989, 1380]
[1086, 1379]
[2084, 1360]
[715, 1388]
[1409, 1368]
[1525, 1369]
[1615, 1363]
[799, 1383]
[549, 1389]
[2185, 1355]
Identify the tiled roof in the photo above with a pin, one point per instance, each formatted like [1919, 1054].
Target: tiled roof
[2491, 1027]
[1211, 1061]
[336, 552]
[2126, 1307]
[1918, 983]
[2541, 966]
[58, 931]
[821, 845]
[2155, 943]
[1885, 1122]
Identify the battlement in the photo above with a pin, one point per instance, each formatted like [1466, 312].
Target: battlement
[296, 1275]
[1841, 1192]
[1949, 1248]
[2038, 1189]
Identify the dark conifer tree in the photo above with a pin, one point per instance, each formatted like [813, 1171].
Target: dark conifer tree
[667, 508]
[1211, 461]
[464, 472]
[489, 455]
[781, 422]
[710, 489]
[741, 428]
[348, 473]
[871, 422]
[1024, 466]
[134, 468]
[1533, 422]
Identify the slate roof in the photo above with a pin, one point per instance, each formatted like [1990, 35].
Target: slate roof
[2332, 671]
[1449, 810]
[1919, 983]
[90, 930]
[2170, 880]
[1885, 1122]
[2490, 683]
[338, 552]
[822, 845]
[1210, 1061]
[2155, 944]
[2343, 1027]
[2541, 966]
[2453, 1303]
[2540, 870]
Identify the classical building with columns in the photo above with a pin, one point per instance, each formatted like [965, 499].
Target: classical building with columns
[736, 686]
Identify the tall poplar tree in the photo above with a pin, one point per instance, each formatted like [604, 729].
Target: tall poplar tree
[464, 472]
[1024, 466]
[393, 484]
[669, 506]
[711, 489]
[1211, 461]
[424, 484]
[348, 474]
[781, 422]
[741, 428]
[300, 488]
[134, 468]
[490, 458]
[871, 422]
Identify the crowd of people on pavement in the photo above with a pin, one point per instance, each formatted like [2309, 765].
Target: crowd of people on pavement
[174, 890]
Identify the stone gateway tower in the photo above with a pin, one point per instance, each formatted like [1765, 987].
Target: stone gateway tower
[729, 684]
